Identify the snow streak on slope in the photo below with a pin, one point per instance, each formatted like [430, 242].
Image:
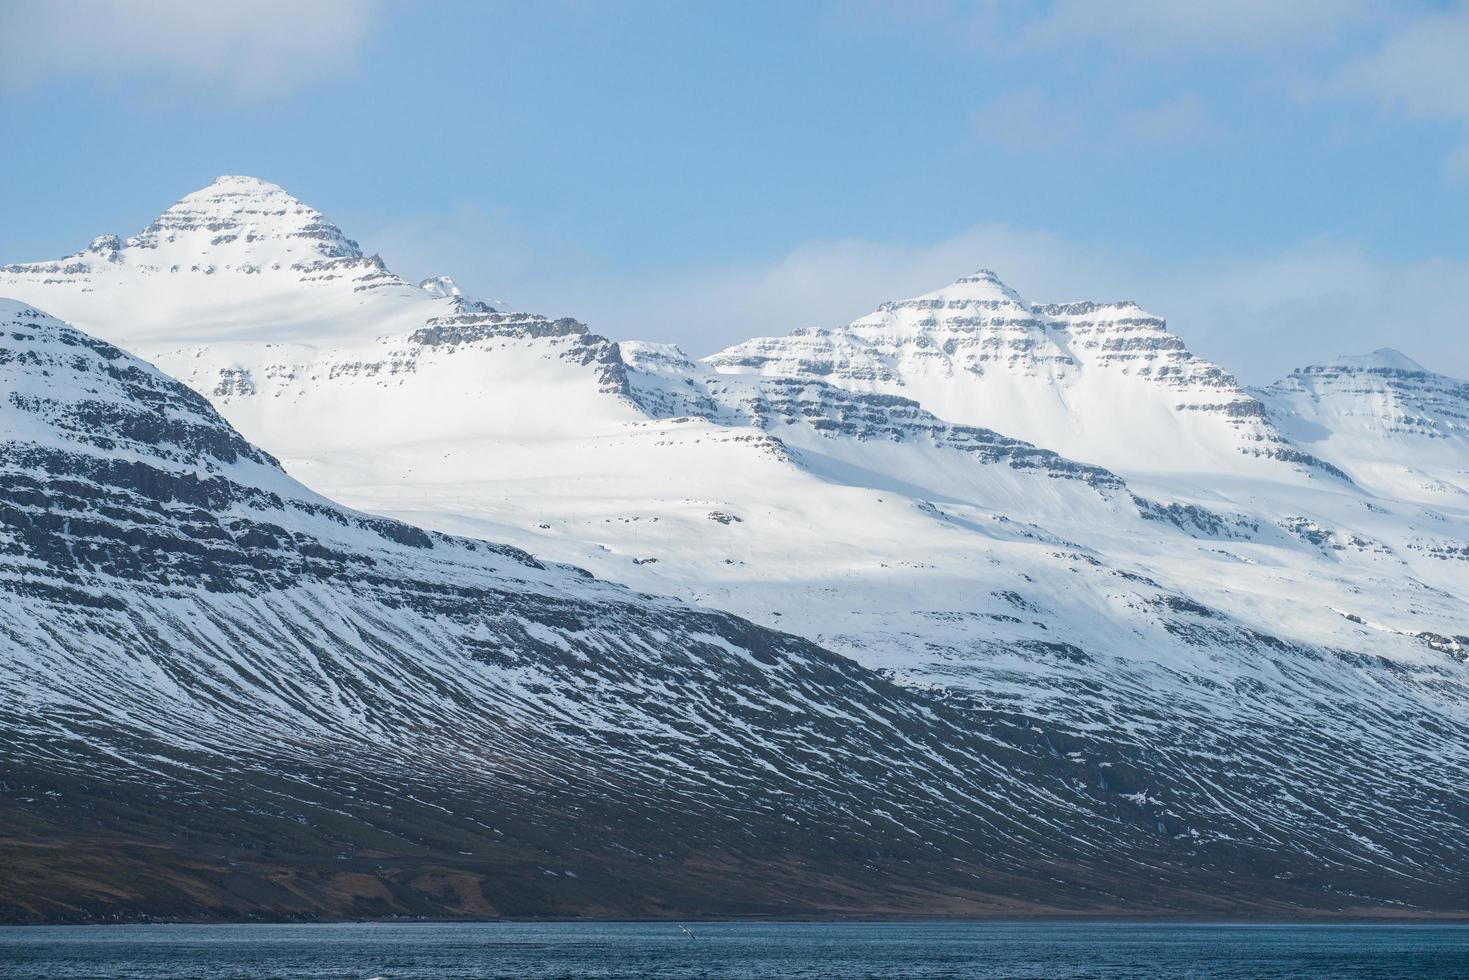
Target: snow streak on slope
[1220, 622]
[189, 631]
[946, 554]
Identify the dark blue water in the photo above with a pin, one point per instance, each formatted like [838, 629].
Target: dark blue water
[736, 950]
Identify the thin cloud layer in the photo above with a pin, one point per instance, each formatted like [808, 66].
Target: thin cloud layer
[251, 49]
[1029, 121]
[1421, 71]
[1260, 317]
[1167, 28]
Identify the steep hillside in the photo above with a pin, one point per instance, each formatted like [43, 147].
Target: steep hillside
[1227, 627]
[208, 666]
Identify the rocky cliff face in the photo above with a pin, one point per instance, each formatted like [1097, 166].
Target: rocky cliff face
[292, 371]
[666, 383]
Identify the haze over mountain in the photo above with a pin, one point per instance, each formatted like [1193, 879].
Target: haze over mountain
[1229, 623]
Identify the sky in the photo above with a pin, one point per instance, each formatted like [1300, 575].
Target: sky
[1283, 182]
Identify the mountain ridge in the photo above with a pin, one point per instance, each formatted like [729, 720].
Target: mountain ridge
[1107, 383]
[1273, 653]
[275, 707]
[1404, 430]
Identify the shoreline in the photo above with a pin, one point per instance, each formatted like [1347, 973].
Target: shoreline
[1455, 919]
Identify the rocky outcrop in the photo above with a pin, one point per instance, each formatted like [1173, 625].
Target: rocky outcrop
[666, 383]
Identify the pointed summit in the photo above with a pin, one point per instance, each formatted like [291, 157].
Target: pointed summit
[238, 216]
[984, 278]
[72, 390]
[1382, 359]
[983, 286]
[1400, 429]
[240, 257]
[1106, 383]
[240, 184]
[442, 286]
[229, 191]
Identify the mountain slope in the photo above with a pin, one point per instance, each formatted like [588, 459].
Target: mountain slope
[1262, 652]
[227, 696]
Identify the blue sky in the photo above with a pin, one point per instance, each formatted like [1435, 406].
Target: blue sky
[1284, 182]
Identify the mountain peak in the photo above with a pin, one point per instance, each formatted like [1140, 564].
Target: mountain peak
[237, 216]
[982, 288]
[983, 285]
[241, 244]
[234, 193]
[441, 286]
[444, 287]
[1382, 359]
[242, 183]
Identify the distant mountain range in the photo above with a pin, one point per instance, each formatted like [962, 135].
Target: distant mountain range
[1053, 615]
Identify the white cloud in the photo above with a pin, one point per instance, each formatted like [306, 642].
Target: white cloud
[246, 48]
[1172, 28]
[1152, 29]
[1263, 317]
[821, 284]
[1421, 70]
[1029, 121]
[1181, 119]
[1457, 165]
[705, 309]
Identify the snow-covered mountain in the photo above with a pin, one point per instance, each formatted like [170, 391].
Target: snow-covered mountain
[1055, 519]
[239, 258]
[1103, 382]
[540, 432]
[209, 665]
[1394, 426]
[206, 663]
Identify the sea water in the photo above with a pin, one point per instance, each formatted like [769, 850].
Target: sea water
[736, 950]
